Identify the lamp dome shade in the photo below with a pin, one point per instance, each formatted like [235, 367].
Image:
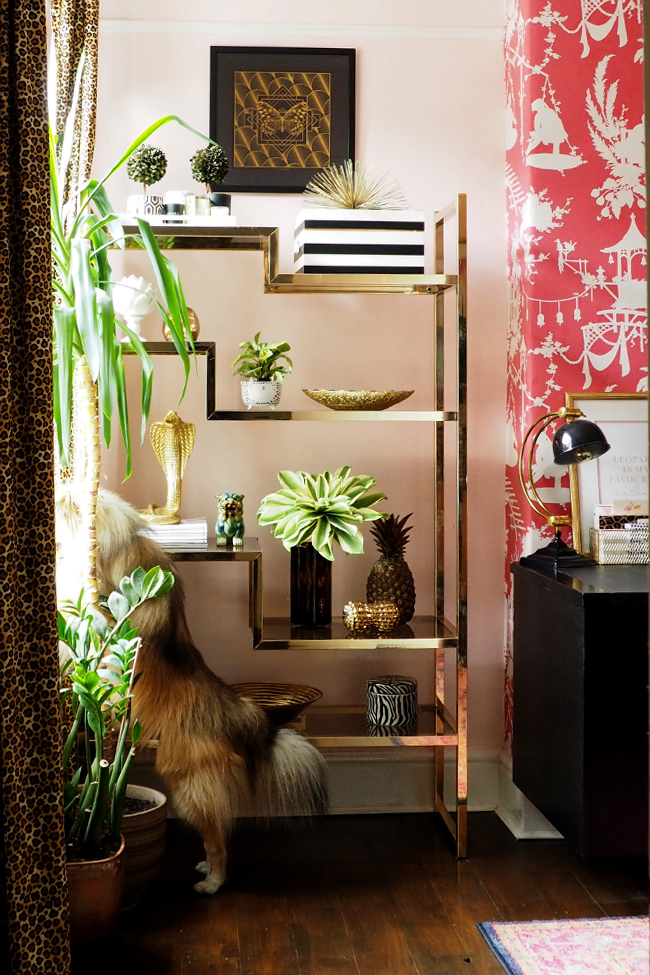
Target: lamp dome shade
[578, 441]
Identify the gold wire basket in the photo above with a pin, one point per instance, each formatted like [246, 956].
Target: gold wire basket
[282, 703]
[358, 399]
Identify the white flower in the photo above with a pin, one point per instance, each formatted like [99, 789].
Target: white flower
[132, 297]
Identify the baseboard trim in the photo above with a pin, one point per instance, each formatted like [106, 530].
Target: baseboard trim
[521, 817]
[394, 780]
[402, 781]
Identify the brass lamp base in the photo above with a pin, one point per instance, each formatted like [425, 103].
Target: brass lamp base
[557, 555]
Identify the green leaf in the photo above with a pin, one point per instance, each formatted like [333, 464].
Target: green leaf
[321, 534]
[65, 327]
[122, 406]
[137, 580]
[179, 322]
[129, 591]
[353, 545]
[152, 580]
[136, 732]
[85, 303]
[106, 377]
[118, 605]
[291, 481]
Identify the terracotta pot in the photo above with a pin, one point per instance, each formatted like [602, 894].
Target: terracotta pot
[144, 833]
[95, 894]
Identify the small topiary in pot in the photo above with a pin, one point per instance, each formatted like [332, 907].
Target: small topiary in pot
[147, 165]
[209, 166]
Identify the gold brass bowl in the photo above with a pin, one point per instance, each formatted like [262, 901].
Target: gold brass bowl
[358, 399]
[281, 702]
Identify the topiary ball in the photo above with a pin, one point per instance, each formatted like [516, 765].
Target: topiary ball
[147, 165]
[209, 165]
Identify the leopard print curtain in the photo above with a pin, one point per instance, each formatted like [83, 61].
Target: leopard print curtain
[75, 26]
[33, 902]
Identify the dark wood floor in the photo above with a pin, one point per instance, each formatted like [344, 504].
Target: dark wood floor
[359, 895]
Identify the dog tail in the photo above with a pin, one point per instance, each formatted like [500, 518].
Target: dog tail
[293, 779]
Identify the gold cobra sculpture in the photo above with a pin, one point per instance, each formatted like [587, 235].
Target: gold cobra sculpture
[172, 441]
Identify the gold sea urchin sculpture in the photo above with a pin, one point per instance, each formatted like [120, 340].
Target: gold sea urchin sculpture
[353, 187]
[363, 617]
[172, 441]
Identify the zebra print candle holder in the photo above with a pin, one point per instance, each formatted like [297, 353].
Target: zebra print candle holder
[391, 701]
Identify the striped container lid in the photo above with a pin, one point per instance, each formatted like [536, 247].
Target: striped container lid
[391, 685]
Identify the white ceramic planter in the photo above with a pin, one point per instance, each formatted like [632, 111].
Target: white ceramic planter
[265, 393]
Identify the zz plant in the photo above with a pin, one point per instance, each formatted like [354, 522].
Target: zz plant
[323, 509]
[97, 681]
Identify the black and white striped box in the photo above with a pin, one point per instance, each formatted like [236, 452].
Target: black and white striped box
[336, 241]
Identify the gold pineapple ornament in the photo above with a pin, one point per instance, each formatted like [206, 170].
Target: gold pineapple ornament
[390, 578]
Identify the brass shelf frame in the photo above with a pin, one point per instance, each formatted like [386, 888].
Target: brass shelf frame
[437, 634]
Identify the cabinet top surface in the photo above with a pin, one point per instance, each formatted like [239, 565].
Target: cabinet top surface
[607, 579]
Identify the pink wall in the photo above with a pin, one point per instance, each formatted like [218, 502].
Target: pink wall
[576, 199]
[430, 108]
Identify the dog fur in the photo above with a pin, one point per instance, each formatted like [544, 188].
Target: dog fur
[217, 753]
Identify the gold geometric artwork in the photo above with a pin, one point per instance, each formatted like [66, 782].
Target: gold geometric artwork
[282, 119]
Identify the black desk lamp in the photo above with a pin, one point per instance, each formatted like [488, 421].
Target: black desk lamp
[576, 441]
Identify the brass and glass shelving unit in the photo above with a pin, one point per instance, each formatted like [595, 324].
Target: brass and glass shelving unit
[442, 725]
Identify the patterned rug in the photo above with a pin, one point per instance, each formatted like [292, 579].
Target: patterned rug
[587, 946]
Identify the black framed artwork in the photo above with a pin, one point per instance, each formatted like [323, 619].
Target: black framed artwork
[281, 114]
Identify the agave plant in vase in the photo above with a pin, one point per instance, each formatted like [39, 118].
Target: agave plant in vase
[312, 513]
[98, 676]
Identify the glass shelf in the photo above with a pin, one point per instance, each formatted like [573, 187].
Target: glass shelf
[249, 552]
[266, 239]
[423, 632]
[341, 726]
[431, 416]
[378, 284]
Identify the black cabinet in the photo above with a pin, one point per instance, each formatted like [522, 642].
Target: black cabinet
[580, 735]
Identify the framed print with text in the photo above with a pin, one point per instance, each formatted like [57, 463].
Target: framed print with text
[619, 475]
[281, 114]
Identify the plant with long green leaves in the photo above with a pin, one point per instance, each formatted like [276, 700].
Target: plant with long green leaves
[84, 228]
[260, 361]
[97, 681]
[324, 509]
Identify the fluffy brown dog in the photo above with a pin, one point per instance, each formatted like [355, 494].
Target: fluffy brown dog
[217, 753]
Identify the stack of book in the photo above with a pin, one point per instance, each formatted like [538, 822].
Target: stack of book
[190, 533]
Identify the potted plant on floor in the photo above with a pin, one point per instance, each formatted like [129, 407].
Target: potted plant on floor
[97, 681]
[260, 363]
[310, 514]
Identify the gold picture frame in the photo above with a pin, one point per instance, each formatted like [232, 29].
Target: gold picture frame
[588, 481]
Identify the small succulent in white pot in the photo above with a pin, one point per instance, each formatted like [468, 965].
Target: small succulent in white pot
[264, 371]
